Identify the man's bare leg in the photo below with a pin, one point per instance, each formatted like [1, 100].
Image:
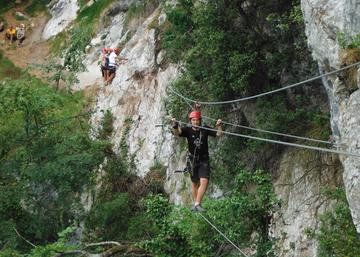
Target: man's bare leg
[195, 187]
[201, 190]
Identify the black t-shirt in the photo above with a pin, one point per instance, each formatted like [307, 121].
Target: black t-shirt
[198, 147]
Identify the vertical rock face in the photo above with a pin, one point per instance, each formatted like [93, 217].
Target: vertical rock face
[63, 13]
[324, 19]
[298, 182]
[137, 94]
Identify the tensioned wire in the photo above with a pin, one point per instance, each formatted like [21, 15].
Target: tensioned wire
[279, 142]
[270, 132]
[222, 234]
[265, 131]
[266, 93]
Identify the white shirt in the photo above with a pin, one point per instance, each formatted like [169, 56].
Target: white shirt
[112, 59]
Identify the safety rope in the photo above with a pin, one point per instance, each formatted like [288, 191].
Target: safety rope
[265, 131]
[271, 132]
[221, 233]
[265, 93]
[278, 141]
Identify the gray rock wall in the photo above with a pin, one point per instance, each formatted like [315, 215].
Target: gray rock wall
[298, 182]
[324, 19]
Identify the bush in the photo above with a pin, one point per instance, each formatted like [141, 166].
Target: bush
[110, 220]
[46, 157]
[37, 6]
[337, 235]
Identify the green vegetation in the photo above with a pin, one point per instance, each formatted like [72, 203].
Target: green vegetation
[140, 9]
[90, 15]
[19, 17]
[37, 6]
[349, 54]
[337, 235]
[47, 160]
[226, 57]
[106, 126]
[230, 50]
[72, 50]
[348, 42]
[58, 43]
[6, 5]
[182, 233]
[7, 69]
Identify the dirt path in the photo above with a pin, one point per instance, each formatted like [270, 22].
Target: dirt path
[33, 49]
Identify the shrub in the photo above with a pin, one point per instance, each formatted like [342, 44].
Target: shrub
[337, 235]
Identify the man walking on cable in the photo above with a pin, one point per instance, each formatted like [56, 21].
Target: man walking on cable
[198, 154]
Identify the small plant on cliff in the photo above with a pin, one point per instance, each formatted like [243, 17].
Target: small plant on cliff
[347, 41]
[106, 124]
[337, 236]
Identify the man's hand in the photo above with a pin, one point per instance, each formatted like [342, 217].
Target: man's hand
[175, 126]
[219, 131]
[197, 106]
[174, 123]
[218, 123]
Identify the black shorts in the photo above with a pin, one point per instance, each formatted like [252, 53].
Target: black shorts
[112, 70]
[201, 169]
[103, 70]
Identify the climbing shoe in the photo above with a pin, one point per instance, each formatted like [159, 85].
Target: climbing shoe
[197, 208]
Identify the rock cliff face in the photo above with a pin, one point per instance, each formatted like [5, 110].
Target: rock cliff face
[138, 93]
[63, 12]
[298, 182]
[324, 19]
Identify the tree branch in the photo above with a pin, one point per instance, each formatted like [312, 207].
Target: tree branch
[118, 248]
[73, 252]
[23, 238]
[103, 243]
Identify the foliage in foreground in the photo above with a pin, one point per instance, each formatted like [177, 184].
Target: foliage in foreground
[239, 215]
[47, 160]
[337, 236]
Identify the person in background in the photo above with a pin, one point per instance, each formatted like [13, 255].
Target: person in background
[104, 63]
[114, 61]
[20, 33]
[10, 33]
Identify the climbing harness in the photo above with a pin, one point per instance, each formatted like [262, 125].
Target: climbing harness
[190, 158]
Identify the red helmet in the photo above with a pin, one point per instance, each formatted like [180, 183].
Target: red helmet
[116, 49]
[195, 114]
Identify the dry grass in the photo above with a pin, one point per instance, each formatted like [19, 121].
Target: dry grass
[347, 57]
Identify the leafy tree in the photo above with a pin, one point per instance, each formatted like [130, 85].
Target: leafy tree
[71, 61]
[232, 49]
[110, 220]
[170, 240]
[46, 157]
